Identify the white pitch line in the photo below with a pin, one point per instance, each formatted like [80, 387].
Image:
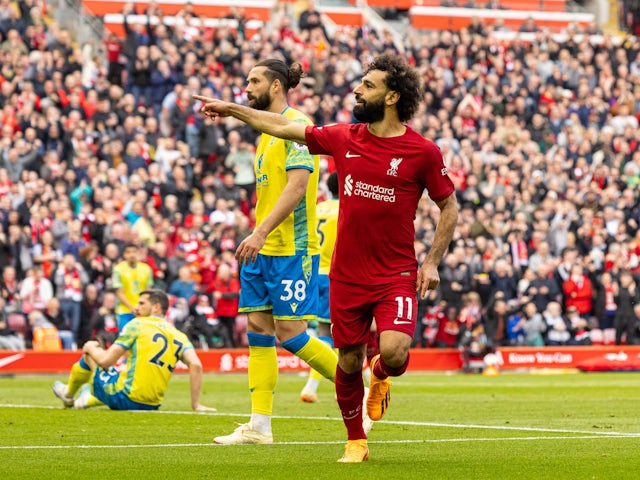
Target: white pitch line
[340, 442]
[385, 422]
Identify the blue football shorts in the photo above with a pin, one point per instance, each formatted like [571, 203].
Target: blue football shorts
[286, 285]
[104, 389]
[323, 299]
[123, 319]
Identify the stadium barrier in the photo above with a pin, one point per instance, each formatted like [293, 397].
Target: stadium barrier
[442, 18]
[253, 9]
[597, 358]
[529, 5]
[114, 22]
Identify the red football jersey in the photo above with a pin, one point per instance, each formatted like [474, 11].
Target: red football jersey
[381, 181]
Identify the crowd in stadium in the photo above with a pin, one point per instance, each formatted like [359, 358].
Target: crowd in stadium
[102, 145]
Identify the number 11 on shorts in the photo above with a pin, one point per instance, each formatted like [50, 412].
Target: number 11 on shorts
[401, 301]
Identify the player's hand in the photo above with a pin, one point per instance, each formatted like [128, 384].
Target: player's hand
[249, 248]
[89, 345]
[213, 107]
[202, 408]
[428, 279]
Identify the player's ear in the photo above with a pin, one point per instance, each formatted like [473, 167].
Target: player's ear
[392, 97]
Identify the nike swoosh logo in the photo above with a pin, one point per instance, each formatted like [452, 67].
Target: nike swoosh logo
[11, 359]
[401, 322]
[352, 155]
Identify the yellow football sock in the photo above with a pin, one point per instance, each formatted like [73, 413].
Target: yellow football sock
[315, 375]
[317, 354]
[262, 372]
[78, 376]
[93, 402]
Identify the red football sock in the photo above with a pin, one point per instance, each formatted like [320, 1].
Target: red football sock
[350, 393]
[381, 370]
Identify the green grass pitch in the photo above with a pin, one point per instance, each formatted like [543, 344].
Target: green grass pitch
[513, 426]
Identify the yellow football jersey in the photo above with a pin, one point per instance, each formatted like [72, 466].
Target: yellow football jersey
[296, 235]
[132, 281]
[327, 214]
[154, 346]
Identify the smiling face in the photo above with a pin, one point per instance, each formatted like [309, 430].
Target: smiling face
[371, 96]
[259, 89]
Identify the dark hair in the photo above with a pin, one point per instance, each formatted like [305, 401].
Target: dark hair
[127, 246]
[332, 184]
[157, 297]
[277, 70]
[400, 78]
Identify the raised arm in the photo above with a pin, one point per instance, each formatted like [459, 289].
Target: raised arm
[265, 122]
[428, 276]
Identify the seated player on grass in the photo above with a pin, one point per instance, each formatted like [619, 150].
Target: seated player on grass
[152, 346]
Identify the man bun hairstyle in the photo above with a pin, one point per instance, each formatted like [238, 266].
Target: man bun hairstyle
[403, 79]
[289, 77]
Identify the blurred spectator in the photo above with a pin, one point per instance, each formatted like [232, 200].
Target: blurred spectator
[226, 292]
[604, 303]
[448, 329]
[9, 340]
[455, 279]
[534, 325]
[495, 320]
[184, 286]
[503, 281]
[474, 345]
[557, 326]
[70, 280]
[579, 327]
[53, 314]
[578, 290]
[311, 19]
[88, 312]
[105, 322]
[543, 288]
[35, 291]
[626, 298]
[203, 323]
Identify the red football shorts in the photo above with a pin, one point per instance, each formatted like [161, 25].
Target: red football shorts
[353, 307]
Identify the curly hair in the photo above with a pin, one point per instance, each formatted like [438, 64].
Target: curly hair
[400, 78]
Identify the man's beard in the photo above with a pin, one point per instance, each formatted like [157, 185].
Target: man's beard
[260, 103]
[369, 112]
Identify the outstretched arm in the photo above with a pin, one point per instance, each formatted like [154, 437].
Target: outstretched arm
[265, 122]
[190, 358]
[428, 276]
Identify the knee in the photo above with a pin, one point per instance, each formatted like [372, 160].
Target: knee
[351, 362]
[395, 357]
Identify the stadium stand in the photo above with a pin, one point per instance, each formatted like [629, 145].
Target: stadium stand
[542, 145]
